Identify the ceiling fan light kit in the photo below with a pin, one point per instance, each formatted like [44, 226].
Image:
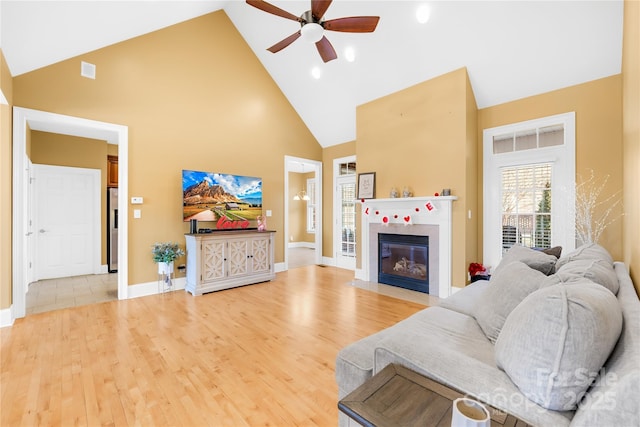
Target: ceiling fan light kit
[313, 26]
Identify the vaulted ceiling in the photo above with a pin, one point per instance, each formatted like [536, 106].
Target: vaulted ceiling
[511, 49]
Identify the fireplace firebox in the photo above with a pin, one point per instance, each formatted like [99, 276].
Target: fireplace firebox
[403, 260]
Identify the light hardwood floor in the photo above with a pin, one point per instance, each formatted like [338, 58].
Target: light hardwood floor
[258, 355]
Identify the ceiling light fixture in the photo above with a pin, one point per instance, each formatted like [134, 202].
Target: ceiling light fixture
[423, 13]
[302, 195]
[350, 54]
[312, 32]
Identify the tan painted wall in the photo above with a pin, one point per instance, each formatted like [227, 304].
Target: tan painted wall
[424, 137]
[298, 209]
[328, 155]
[194, 96]
[6, 118]
[598, 108]
[64, 150]
[631, 137]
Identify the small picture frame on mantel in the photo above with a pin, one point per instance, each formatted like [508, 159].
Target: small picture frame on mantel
[367, 185]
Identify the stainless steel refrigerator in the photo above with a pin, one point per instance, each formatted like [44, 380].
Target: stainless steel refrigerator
[112, 229]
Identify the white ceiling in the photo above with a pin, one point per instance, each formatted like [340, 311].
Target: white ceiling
[512, 49]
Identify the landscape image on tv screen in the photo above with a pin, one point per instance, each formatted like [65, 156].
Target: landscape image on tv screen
[229, 200]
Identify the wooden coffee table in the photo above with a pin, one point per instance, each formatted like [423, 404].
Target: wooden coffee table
[397, 396]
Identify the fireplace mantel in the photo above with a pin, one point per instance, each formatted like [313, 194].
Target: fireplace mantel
[407, 216]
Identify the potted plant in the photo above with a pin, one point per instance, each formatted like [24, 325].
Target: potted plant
[164, 254]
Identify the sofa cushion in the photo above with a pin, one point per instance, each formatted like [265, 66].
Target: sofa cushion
[508, 286]
[465, 300]
[598, 271]
[537, 260]
[554, 343]
[586, 251]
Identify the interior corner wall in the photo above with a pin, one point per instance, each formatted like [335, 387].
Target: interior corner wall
[419, 137]
[329, 154]
[6, 161]
[193, 96]
[598, 108]
[631, 138]
[73, 151]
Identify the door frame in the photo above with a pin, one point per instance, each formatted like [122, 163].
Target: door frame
[316, 167]
[25, 120]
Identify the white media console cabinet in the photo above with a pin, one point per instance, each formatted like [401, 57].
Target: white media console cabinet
[227, 259]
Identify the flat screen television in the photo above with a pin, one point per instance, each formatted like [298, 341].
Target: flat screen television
[229, 201]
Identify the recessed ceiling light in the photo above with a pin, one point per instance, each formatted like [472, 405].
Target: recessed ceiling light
[316, 72]
[350, 54]
[423, 12]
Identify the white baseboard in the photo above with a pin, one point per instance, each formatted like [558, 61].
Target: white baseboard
[151, 288]
[279, 267]
[6, 317]
[360, 274]
[104, 269]
[310, 245]
[326, 260]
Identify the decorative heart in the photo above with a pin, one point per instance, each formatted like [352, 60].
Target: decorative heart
[377, 212]
[385, 219]
[407, 218]
[417, 209]
[396, 216]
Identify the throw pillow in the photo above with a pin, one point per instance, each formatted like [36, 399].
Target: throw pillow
[537, 260]
[597, 270]
[556, 251]
[508, 286]
[555, 342]
[586, 251]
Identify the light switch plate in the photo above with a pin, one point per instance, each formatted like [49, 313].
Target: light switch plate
[136, 200]
[268, 212]
[137, 213]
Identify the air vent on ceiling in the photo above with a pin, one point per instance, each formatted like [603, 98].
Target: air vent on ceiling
[87, 70]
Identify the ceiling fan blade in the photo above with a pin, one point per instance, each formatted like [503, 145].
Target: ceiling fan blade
[284, 43]
[354, 24]
[319, 7]
[269, 8]
[326, 50]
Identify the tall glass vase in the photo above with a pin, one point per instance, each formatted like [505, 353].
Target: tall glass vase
[165, 273]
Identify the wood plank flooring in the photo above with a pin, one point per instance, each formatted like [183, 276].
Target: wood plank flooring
[260, 355]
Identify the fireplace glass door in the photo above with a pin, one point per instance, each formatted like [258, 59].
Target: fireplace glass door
[404, 261]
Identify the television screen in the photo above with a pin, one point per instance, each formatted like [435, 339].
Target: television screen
[231, 201]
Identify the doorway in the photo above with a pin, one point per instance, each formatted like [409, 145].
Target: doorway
[25, 120]
[303, 212]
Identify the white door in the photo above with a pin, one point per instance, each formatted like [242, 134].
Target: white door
[67, 221]
[344, 238]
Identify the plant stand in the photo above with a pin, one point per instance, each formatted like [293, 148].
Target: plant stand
[166, 277]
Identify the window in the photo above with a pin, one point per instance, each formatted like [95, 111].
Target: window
[529, 185]
[311, 205]
[526, 206]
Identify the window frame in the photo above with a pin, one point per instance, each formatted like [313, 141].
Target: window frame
[561, 157]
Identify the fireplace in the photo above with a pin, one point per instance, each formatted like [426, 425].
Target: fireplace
[403, 260]
[429, 217]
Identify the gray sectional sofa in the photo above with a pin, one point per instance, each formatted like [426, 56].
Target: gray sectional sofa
[556, 342]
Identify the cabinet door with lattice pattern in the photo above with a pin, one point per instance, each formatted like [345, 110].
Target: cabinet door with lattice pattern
[260, 259]
[238, 257]
[213, 260]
